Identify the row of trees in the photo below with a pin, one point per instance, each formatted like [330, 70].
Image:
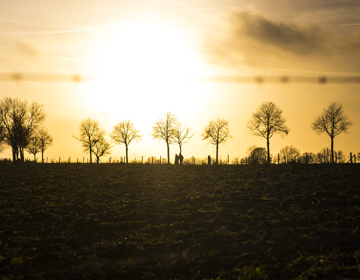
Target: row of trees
[289, 154]
[168, 129]
[21, 128]
[265, 122]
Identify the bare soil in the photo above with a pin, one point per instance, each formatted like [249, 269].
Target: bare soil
[117, 221]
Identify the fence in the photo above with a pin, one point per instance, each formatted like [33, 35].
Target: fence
[306, 159]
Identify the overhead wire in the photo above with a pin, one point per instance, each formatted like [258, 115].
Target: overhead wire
[77, 78]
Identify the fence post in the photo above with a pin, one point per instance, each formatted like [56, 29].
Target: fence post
[59, 159]
[278, 158]
[351, 160]
[209, 160]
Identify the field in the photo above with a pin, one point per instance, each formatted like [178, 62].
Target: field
[113, 221]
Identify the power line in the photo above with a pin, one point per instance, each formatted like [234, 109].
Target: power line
[42, 77]
[284, 79]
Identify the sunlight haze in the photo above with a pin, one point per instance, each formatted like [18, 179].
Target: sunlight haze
[141, 59]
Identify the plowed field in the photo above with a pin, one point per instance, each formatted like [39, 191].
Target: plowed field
[114, 221]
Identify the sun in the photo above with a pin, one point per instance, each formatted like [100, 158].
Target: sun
[144, 65]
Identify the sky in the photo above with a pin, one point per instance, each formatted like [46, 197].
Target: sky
[141, 59]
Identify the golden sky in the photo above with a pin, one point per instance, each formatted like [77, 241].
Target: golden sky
[139, 56]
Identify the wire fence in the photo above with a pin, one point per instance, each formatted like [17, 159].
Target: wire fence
[275, 159]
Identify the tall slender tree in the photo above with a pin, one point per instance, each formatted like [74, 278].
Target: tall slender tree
[164, 130]
[216, 133]
[125, 133]
[267, 121]
[332, 121]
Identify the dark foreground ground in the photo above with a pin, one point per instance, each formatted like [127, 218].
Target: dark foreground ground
[73, 221]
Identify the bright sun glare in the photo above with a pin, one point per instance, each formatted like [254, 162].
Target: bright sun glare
[145, 65]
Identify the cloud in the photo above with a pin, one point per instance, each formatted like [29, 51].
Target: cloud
[288, 37]
[25, 49]
[249, 38]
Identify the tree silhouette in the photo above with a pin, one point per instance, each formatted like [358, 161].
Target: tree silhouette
[39, 143]
[289, 154]
[45, 141]
[267, 121]
[216, 132]
[256, 155]
[124, 133]
[2, 137]
[33, 146]
[19, 120]
[182, 135]
[102, 146]
[332, 121]
[89, 134]
[164, 129]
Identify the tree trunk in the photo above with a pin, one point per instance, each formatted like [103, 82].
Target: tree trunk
[42, 155]
[22, 157]
[332, 149]
[90, 154]
[217, 152]
[268, 149]
[126, 152]
[14, 154]
[168, 152]
[34, 157]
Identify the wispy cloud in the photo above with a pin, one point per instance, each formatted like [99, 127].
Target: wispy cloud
[26, 50]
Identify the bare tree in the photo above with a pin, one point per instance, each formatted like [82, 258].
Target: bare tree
[39, 142]
[102, 146]
[266, 122]
[164, 129]
[324, 156]
[20, 120]
[332, 121]
[33, 146]
[124, 133]
[89, 134]
[256, 155]
[289, 154]
[182, 135]
[45, 141]
[217, 132]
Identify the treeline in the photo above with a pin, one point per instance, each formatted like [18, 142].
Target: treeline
[21, 128]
